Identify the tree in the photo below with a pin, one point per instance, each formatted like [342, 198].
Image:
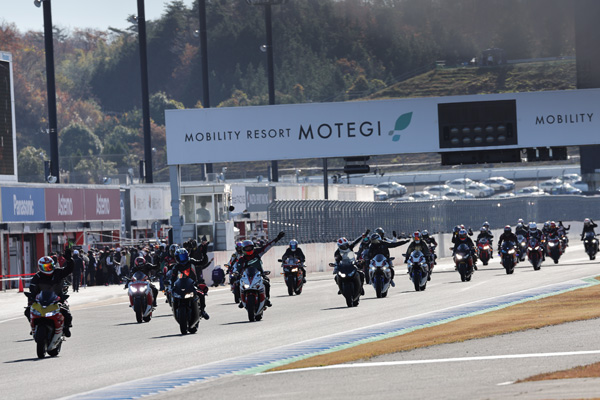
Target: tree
[76, 141]
[93, 170]
[159, 102]
[31, 164]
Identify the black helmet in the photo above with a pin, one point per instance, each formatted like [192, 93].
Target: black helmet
[380, 232]
[139, 261]
[375, 238]
[507, 229]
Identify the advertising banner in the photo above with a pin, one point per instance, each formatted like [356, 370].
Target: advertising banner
[22, 204]
[64, 204]
[102, 204]
[258, 198]
[319, 130]
[147, 203]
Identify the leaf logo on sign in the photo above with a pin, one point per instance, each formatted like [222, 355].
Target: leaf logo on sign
[402, 123]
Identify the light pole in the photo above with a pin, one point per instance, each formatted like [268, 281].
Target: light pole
[141, 21]
[270, 75]
[54, 176]
[204, 55]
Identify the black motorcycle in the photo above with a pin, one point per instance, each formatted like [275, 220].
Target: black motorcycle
[509, 257]
[185, 304]
[349, 282]
[591, 245]
[463, 259]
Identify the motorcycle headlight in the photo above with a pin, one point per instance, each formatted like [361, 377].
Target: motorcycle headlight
[511, 251]
[189, 295]
[552, 244]
[459, 257]
[246, 286]
[523, 243]
[294, 269]
[52, 313]
[133, 288]
[486, 247]
[341, 274]
[586, 241]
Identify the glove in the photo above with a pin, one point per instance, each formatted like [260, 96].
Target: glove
[394, 234]
[280, 235]
[367, 232]
[67, 254]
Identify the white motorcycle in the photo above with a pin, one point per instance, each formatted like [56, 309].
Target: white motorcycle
[418, 269]
[252, 290]
[380, 275]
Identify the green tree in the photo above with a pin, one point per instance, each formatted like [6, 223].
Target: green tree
[93, 170]
[30, 162]
[159, 102]
[76, 141]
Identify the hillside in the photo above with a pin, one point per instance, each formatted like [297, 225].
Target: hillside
[526, 77]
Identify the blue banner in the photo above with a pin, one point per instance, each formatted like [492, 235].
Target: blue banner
[22, 204]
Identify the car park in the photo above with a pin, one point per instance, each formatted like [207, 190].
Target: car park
[499, 183]
[438, 190]
[565, 188]
[392, 188]
[479, 189]
[379, 195]
[459, 183]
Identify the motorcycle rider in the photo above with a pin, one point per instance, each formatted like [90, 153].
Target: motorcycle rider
[140, 264]
[381, 234]
[378, 246]
[252, 252]
[49, 277]
[521, 228]
[185, 263]
[588, 226]
[507, 236]
[235, 257]
[485, 233]
[293, 251]
[562, 232]
[537, 234]
[430, 241]
[343, 249]
[418, 244]
[463, 238]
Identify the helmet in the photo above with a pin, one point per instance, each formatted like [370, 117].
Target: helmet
[417, 237]
[248, 247]
[182, 255]
[424, 234]
[482, 229]
[238, 247]
[462, 234]
[553, 225]
[193, 243]
[139, 261]
[532, 226]
[172, 249]
[520, 221]
[293, 244]
[46, 265]
[380, 232]
[366, 240]
[456, 229]
[375, 238]
[75, 252]
[343, 244]
[507, 229]
[587, 221]
[547, 224]
[486, 225]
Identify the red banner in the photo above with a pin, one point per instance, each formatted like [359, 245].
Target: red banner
[102, 204]
[64, 204]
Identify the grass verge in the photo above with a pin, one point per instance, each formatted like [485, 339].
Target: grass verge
[577, 305]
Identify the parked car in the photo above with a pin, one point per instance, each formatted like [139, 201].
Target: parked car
[479, 190]
[505, 195]
[459, 183]
[423, 196]
[392, 188]
[403, 198]
[379, 195]
[565, 188]
[531, 191]
[581, 185]
[499, 183]
[459, 195]
[547, 186]
[570, 178]
[438, 190]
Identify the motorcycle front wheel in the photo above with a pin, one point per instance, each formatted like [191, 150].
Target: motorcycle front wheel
[137, 307]
[41, 340]
[250, 305]
[182, 319]
[348, 292]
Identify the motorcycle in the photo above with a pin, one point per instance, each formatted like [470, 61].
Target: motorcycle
[293, 275]
[464, 262]
[168, 291]
[535, 253]
[252, 290]
[484, 250]
[380, 275]
[554, 248]
[349, 280]
[522, 247]
[140, 296]
[418, 270]
[185, 303]
[47, 322]
[590, 244]
[508, 257]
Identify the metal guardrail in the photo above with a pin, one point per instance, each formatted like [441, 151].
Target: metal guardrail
[317, 221]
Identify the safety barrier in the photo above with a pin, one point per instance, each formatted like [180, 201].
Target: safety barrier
[16, 277]
[318, 221]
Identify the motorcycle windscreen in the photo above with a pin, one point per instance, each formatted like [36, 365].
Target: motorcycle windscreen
[47, 297]
[346, 267]
[183, 285]
[139, 276]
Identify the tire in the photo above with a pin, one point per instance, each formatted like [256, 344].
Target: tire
[348, 292]
[147, 319]
[468, 277]
[384, 294]
[259, 317]
[290, 286]
[378, 286]
[236, 294]
[463, 277]
[41, 337]
[417, 280]
[137, 307]
[299, 290]
[182, 320]
[250, 308]
[193, 330]
[423, 287]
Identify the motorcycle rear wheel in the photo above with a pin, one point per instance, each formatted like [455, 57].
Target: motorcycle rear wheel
[41, 337]
[54, 352]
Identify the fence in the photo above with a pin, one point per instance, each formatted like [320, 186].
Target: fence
[326, 220]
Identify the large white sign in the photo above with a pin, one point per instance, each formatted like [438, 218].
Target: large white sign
[149, 203]
[320, 130]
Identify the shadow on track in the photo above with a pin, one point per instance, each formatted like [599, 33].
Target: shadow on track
[239, 322]
[24, 340]
[168, 336]
[23, 360]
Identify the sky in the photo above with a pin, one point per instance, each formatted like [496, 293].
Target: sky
[71, 14]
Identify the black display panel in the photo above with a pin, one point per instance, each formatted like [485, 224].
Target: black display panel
[477, 124]
[7, 166]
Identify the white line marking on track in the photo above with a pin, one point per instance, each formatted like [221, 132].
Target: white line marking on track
[471, 286]
[441, 360]
[11, 319]
[505, 383]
